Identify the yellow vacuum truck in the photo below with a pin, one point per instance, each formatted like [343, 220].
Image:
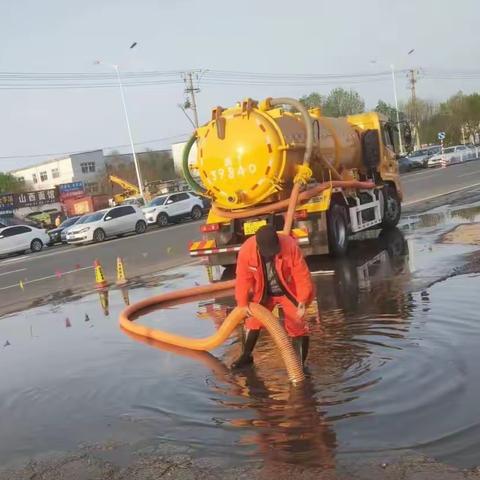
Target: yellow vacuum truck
[250, 156]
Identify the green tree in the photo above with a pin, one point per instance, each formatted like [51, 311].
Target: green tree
[313, 100]
[10, 184]
[341, 102]
[389, 111]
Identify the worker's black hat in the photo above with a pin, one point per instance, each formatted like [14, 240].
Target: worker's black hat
[268, 242]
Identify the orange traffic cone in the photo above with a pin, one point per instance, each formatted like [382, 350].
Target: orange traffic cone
[100, 281]
[121, 279]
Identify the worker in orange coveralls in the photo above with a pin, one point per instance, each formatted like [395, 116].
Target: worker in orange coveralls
[271, 270]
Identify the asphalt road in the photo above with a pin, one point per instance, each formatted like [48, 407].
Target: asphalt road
[70, 268]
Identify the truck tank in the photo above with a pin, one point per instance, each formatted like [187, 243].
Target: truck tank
[249, 154]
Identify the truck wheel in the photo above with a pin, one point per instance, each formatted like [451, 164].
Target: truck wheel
[98, 235]
[337, 226]
[196, 213]
[162, 220]
[392, 208]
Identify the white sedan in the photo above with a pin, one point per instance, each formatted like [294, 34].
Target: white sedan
[21, 238]
[111, 222]
[451, 156]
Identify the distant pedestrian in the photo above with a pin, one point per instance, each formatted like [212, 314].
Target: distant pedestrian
[58, 220]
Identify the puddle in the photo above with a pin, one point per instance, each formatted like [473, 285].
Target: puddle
[391, 367]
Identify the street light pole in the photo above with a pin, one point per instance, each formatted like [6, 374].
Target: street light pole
[400, 143]
[132, 146]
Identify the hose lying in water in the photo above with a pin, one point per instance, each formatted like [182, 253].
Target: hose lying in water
[269, 321]
[284, 204]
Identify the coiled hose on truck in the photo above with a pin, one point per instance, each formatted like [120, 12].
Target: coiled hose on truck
[238, 315]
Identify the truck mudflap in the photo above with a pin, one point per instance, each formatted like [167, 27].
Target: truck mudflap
[204, 248]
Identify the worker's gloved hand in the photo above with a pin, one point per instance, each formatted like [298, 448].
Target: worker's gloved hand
[301, 309]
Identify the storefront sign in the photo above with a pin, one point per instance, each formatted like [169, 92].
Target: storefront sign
[6, 204]
[35, 199]
[73, 189]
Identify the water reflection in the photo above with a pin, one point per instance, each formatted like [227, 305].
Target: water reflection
[361, 311]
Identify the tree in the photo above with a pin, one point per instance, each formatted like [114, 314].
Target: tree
[341, 102]
[389, 111]
[338, 103]
[11, 184]
[313, 100]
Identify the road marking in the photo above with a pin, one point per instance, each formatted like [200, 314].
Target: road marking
[13, 271]
[70, 249]
[424, 199]
[48, 277]
[469, 174]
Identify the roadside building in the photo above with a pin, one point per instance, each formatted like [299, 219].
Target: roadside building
[86, 167]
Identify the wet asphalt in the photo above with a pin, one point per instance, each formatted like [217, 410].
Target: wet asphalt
[392, 367]
[26, 278]
[392, 370]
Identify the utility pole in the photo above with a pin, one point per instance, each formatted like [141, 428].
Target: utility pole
[191, 91]
[412, 73]
[400, 143]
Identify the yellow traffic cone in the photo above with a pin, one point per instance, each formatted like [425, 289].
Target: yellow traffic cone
[121, 279]
[100, 281]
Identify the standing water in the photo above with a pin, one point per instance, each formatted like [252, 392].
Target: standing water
[390, 368]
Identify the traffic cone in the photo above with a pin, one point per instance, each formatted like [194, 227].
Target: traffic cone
[121, 279]
[100, 281]
[104, 301]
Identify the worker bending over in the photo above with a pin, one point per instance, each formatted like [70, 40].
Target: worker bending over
[271, 271]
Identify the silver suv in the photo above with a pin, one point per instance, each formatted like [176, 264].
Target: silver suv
[172, 207]
[116, 221]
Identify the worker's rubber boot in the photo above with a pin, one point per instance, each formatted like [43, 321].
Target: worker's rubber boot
[249, 340]
[300, 345]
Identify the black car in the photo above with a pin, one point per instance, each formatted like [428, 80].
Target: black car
[56, 234]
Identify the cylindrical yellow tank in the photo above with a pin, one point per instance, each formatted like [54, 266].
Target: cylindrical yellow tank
[249, 154]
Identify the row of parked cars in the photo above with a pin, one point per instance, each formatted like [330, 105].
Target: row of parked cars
[431, 157]
[111, 222]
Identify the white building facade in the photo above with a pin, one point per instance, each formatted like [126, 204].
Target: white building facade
[88, 167]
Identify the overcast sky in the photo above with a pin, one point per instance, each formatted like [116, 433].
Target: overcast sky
[272, 36]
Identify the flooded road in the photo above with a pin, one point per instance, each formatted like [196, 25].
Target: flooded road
[393, 365]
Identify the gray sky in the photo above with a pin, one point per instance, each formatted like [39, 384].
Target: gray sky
[272, 36]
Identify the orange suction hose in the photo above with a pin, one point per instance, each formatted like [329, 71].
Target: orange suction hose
[269, 321]
[284, 204]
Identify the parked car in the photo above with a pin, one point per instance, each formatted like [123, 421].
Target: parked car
[405, 165]
[451, 156]
[419, 158]
[137, 201]
[173, 207]
[207, 202]
[58, 234]
[21, 238]
[116, 221]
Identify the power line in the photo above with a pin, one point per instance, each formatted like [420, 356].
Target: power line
[157, 140]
